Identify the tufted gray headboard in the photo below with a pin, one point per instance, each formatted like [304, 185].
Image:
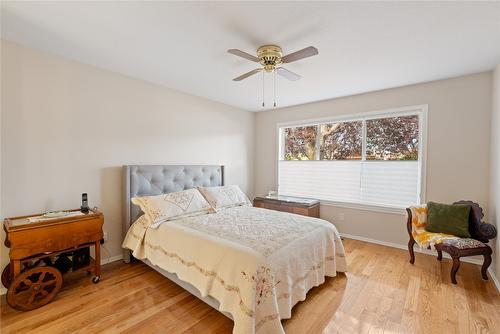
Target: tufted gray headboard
[147, 180]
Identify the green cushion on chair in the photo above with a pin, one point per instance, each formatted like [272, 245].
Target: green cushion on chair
[449, 219]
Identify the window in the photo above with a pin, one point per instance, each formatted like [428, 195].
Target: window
[300, 143]
[392, 138]
[341, 141]
[375, 159]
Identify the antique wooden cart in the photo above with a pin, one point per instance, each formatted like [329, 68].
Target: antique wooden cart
[42, 249]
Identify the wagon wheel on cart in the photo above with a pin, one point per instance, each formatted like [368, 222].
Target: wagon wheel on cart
[6, 273]
[34, 288]
[6, 276]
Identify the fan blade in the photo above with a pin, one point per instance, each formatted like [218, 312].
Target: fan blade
[242, 54]
[288, 74]
[304, 53]
[246, 75]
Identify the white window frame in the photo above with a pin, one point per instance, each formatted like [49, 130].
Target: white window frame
[420, 110]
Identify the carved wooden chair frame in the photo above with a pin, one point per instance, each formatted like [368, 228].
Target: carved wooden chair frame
[478, 230]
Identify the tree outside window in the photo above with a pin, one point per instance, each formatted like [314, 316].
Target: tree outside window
[392, 138]
[341, 141]
[300, 143]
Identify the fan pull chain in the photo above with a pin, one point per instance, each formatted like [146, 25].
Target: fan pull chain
[263, 91]
[274, 88]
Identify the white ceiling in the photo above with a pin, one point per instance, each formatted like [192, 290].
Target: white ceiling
[182, 45]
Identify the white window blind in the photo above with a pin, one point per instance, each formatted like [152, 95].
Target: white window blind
[386, 183]
[389, 176]
[391, 183]
[328, 180]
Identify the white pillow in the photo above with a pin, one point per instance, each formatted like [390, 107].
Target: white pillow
[172, 206]
[225, 197]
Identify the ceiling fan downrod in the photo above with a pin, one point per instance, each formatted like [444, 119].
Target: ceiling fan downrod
[263, 91]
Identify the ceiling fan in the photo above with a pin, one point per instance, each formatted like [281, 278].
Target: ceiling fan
[270, 57]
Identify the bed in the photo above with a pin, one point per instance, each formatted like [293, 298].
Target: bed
[251, 264]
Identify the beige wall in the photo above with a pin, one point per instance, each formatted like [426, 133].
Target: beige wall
[67, 128]
[457, 154]
[495, 166]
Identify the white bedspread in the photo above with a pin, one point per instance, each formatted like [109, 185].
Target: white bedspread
[257, 263]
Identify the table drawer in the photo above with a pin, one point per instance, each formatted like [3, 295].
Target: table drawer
[277, 207]
[54, 238]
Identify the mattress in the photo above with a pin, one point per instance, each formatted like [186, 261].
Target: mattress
[256, 263]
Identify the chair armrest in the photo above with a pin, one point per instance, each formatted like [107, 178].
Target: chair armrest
[478, 229]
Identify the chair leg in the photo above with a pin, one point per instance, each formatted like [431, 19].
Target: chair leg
[440, 254]
[454, 269]
[486, 264]
[410, 249]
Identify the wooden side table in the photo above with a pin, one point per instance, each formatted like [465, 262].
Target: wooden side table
[301, 206]
[37, 243]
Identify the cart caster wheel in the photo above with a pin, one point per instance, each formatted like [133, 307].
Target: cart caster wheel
[34, 288]
[96, 279]
[89, 272]
[6, 276]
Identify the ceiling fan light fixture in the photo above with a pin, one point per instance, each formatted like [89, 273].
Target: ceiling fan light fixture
[270, 56]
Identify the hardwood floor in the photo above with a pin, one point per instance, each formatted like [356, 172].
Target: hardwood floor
[381, 293]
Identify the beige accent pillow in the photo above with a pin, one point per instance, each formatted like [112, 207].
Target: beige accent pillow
[225, 197]
[161, 208]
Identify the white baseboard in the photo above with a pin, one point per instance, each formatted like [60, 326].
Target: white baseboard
[3, 290]
[112, 259]
[495, 280]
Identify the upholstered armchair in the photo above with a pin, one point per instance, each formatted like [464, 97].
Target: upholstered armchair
[456, 247]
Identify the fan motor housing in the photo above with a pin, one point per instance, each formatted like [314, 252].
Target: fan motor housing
[270, 56]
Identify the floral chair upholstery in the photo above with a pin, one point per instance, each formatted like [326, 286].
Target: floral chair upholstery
[457, 247]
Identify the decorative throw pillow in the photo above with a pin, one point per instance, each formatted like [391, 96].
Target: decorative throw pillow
[450, 219]
[224, 197]
[172, 206]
